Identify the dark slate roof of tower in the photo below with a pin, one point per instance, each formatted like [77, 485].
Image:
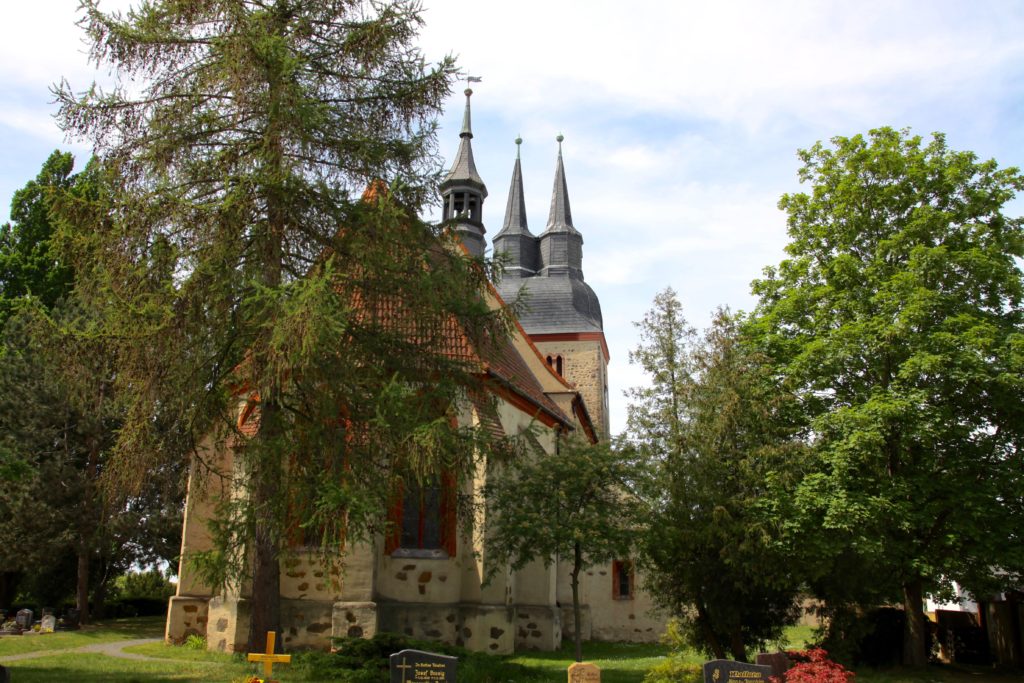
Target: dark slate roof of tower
[463, 170]
[560, 216]
[554, 304]
[515, 211]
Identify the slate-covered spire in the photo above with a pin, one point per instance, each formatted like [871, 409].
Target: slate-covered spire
[561, 245]
[463, 190]
[515, 240]
[560, 216]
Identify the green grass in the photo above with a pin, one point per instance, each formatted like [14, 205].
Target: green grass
[102, 632]
[96, 668]
[619, 662]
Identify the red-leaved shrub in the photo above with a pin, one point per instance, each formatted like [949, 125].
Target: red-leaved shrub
[814, 666]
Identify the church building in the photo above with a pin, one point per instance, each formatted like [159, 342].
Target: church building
[550, 377]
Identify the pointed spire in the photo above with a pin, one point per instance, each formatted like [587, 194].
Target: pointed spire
[515, 211]
[464, 168]
[560, 216]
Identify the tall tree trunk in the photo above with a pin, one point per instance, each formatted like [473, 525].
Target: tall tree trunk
[914, 642]
[82, 588]
[739, 652]
[577, 565]
[266, 580]
[99, 594]
[710, 637]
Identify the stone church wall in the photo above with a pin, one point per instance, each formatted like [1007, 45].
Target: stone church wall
[585, 367]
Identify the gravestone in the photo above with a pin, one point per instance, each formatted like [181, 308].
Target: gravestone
[48, 624]
[70, 620]
[584, 672]
[24, 619]
[777, 661]
[728, 671]
[409, 666]
[5, 677]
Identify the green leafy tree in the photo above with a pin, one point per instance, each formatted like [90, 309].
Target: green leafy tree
[242, 265]
[58, 420]
[718, 434]
[586, 511]
[58, 415]
[897, 317]
[29, 261]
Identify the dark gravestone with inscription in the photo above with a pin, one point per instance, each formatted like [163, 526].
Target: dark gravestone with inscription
[413, 666]
[728, 671]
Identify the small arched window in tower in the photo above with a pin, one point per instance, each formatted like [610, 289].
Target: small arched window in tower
[472, 208]
[555, 363]
[460, 204]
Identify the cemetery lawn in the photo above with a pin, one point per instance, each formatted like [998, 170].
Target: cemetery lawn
[619, 662]
[106, 631]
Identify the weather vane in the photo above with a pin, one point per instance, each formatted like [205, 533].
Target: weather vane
[473, 79]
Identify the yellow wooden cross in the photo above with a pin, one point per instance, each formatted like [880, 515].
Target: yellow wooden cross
[269, 659]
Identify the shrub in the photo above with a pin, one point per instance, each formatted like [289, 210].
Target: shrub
[814, 666]
[672, 670]
[365, 660]
[194, 642]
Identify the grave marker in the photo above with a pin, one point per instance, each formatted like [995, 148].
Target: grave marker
[728, 671]
[24, 619]
[413, 666]
[584, 672]
[777, 661]
[48, 624]
[269, 659]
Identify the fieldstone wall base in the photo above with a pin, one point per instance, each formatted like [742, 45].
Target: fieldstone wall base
[484, 628]
[228, 627]
[538, 627]
[354, 620]
[186, 616]
[569, 622]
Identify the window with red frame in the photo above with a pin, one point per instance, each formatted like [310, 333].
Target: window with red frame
[622, 580]
[423, 517]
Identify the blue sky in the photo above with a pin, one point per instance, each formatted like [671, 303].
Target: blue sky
[681, 119]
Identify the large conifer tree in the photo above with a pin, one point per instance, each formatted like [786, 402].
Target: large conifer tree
[245, 266]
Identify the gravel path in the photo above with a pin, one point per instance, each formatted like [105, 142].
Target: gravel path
[111, 649]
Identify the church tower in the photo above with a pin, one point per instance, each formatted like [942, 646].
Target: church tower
[463, 191]
[561, 312]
